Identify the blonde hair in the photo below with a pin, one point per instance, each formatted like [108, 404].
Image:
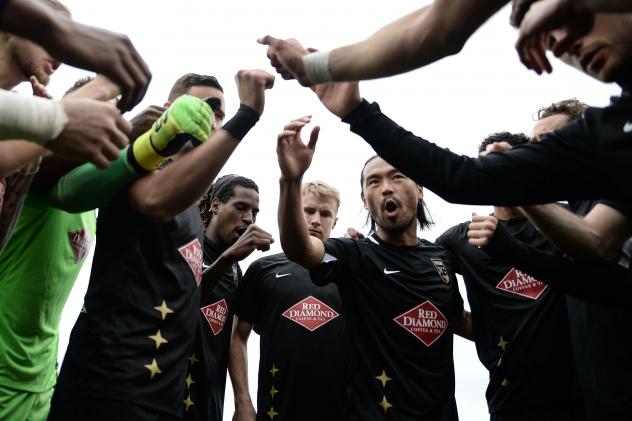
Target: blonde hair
[320, 189]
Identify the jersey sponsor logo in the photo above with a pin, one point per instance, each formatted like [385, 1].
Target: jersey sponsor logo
[425, 322]
[627, 127]
[311, 313]
[216, 314]
[441, 269]
[192, 254]
[390, 272]
[522, 284]
[80, 243]
[281, 275]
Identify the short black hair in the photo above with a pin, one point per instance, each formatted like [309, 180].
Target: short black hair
[223, 189]
[423, 215]
[184, 83]
[514, 139]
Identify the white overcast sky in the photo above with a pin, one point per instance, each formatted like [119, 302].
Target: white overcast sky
[455, 103]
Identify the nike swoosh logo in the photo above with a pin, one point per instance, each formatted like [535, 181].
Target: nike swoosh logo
[204, 266]
[281, 275]
[627, 127]
[390, 272]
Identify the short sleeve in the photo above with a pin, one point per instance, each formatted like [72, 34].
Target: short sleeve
[248, 302]
[336, 262]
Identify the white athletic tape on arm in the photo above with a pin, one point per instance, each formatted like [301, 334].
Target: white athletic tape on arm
[30, 118]
[317, 67]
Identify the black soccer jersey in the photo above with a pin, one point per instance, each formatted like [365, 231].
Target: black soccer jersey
[400, 306]
[520, 325]
[603, 348]
[136, 329]
[206, 377]
[587, 159]
[301, 364]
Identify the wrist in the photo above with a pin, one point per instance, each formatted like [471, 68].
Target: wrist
[290, 181]
[316, 67]
[245, 119]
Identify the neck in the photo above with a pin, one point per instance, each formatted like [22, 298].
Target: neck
[505, 214]
[212, 233]
[10, 75]
[405, 238]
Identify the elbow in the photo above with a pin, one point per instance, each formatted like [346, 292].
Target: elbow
[152, 207]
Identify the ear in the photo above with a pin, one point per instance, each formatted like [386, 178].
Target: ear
[167, 104]
[420, 190]
[364, 201]
[215, 205]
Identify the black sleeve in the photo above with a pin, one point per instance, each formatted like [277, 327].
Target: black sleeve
[3, 6]
[336, 262]
[247, 304]
[600, 283]
[539, 172]
[449, 240]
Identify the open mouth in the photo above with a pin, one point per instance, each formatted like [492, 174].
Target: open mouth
[390, 206]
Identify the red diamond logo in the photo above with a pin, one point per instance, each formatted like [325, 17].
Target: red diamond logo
[310, 313]
[425, 322]
[80, 243]
[520, 283]
[215, 315]
[192, 254]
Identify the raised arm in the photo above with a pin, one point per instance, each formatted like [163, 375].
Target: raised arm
[415, 40]
[295, 158]
[164, 194]
[594, 237]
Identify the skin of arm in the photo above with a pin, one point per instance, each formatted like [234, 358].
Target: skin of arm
[594, 237]
[16, 153]
[164, 194]
[295, 158]
[463, 326]
[238, 371]
[415, 40]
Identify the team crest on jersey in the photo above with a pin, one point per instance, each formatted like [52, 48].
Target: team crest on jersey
[216, 314]
[425, 322]
[441, 269]
[310, 313]
[522, 284]
[192, 254]
[80, 244]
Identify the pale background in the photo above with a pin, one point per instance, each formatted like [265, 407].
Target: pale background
[454, 103]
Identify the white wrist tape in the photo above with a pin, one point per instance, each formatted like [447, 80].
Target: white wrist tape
[317, 67]
[30, 118]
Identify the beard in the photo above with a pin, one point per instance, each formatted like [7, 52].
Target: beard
[397, 226]
[27, 61]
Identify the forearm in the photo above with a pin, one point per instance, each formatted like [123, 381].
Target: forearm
[297, 244]
[567, 231]
[30, 118]
[601, 283]
[29, 19]
[526, 175]
[100, 89]
[16, 154]
[415, 40]
[87, 187]
[463, 326]
[213, 274]
[238, 368]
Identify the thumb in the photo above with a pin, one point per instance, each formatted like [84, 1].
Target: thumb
[313, 138]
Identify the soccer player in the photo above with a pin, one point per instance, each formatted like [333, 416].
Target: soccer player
[520, 324]
[229, 211]
[399, 292]
[301, 359]
[38, 269]
[129, 349]
[539, 172]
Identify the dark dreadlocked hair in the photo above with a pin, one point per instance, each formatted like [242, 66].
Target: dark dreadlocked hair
[423, 215]
[223, 189]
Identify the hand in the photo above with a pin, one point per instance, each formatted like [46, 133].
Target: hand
[251, 85]
[353, 234]
[95, 132]
[254, 238]
[543, 16]
[248, 414]
[104, 52]
[100, 88]
[144, 120]
[340, 98]
[481, 230]
[38, 88]
[286, 56]
[495, 147]
[295, 156]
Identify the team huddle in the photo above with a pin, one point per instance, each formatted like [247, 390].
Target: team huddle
[168, 313]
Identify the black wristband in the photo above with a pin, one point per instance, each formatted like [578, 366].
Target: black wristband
[244, 119]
